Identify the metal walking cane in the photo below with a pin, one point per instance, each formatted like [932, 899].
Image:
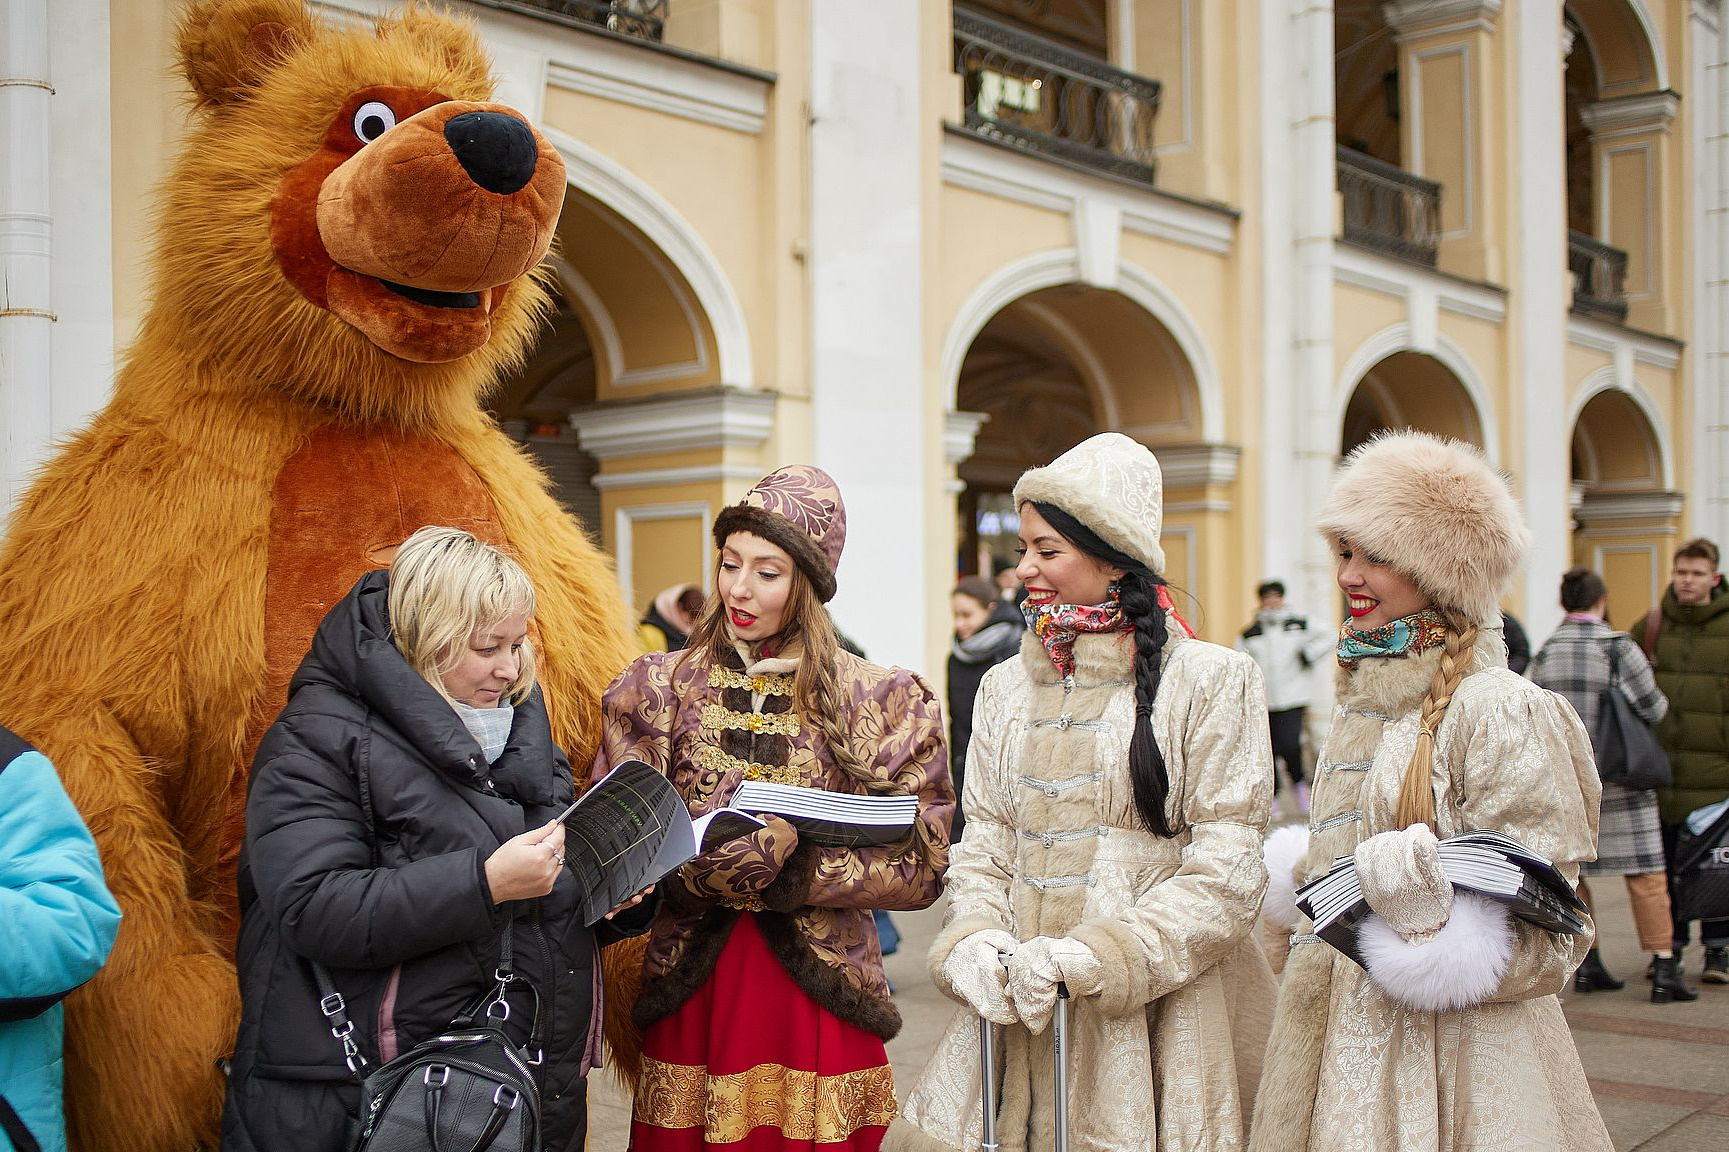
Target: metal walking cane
[1060, 1063]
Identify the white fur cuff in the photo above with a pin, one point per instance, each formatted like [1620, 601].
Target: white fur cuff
[1460, 965]
[1283, 851]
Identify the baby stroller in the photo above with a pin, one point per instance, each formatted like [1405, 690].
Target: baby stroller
[1702, 865]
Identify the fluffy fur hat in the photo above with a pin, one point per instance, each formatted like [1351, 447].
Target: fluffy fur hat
[799, 510]
[1113, 485]
[1435, 511]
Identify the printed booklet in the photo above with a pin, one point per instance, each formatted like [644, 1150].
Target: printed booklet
[1487, 862]
[832, 819]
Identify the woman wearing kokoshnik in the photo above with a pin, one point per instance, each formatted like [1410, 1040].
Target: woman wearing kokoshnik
[764, 1004]
[1118, 785]
[1453, 1037]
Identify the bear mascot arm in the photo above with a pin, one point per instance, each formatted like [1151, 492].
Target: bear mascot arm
[346, 260]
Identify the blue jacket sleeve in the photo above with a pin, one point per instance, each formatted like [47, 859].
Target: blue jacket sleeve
[57, 917]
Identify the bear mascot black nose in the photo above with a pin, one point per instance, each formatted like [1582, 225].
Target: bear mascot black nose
[497, 151]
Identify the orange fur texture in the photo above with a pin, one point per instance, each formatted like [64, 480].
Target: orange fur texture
[140, 565]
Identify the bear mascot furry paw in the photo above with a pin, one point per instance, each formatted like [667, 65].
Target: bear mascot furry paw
[345, 262]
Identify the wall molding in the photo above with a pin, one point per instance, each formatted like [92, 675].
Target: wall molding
[624, 521]
[710, 419]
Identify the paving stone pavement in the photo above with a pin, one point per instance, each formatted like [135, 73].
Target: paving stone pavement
[1660, 1072]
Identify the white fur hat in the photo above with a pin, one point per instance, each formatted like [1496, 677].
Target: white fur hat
[1435, 511]
[1113, 485]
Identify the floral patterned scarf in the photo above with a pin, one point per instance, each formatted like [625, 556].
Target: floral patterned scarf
[1417, 632]
[1057, 625]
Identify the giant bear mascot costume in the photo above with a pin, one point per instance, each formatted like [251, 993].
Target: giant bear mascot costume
[345, 262]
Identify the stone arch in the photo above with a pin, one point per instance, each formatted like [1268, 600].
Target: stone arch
[1389, 371]
[1621, 44]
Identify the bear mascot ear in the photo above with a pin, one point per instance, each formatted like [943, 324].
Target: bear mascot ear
[227, 46]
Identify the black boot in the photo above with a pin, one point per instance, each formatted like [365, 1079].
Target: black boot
[1716, 970]
[1593, 977]
[1666, 982]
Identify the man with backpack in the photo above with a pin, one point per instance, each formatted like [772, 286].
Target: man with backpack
[1686, 638]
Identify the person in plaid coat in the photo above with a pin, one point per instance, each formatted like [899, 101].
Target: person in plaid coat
[1581, 658]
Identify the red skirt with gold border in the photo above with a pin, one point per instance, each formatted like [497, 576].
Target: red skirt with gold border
[752, 1064]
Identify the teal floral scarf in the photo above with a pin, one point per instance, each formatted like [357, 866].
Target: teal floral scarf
[1057, 625]
[1415, 633]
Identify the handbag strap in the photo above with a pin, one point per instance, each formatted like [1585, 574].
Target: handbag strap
[335, 1008]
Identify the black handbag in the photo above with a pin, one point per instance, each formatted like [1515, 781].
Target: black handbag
[468, 1089]
[1627, 750]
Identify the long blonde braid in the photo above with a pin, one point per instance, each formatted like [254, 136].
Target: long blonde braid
[1416, 792]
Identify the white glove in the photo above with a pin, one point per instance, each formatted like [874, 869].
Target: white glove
[975, 971]
[1400, 873]
[1043, 962]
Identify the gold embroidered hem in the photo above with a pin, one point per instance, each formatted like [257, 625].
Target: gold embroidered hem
[769, 683]
[719, 718]
[802, 1105]
[712, 759]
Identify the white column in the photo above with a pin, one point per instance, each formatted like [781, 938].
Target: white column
[1708, 508]
[866, 263]
[26, 316]
[82, 176]
[1310, 123]
[1539, 303]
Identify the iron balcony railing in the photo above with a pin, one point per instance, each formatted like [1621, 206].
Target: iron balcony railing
[1038, 96]
[644, 19]
[1388, 209]
[1599, 277]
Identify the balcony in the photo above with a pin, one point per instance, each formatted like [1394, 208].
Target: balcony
[644, 19]
[1599, 277]
[1037, 96]
[1387, 209]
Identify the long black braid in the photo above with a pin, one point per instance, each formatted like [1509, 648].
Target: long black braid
[1138, 595]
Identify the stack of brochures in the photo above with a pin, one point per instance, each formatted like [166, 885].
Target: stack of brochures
[832, 819]
[1486, 862]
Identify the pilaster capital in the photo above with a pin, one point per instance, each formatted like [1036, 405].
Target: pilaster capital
[1620, 511]
[1411, 18]
[1197, 465]
[960, 432]
[1630, 115]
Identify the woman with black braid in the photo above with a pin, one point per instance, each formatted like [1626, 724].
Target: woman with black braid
[1118, 784]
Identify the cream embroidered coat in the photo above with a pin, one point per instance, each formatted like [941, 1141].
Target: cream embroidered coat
[1349, 1070]
[1172, 1046]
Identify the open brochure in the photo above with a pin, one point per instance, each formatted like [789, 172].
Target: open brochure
[831, 819]
[1486, 862]
[630, 829]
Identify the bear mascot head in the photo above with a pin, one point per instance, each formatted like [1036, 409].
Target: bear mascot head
[345, 262]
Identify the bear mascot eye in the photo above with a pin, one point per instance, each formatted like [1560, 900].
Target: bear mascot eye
[372, 120]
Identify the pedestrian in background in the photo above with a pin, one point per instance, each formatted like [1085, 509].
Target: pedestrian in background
[988, 630]
[1119, 788]
[57, 923]
[1581, 658]
[1449, 1036]
[1687, 639]
[1287, 649]
[666, 626]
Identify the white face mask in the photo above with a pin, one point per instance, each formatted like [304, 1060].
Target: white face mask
[490, 727]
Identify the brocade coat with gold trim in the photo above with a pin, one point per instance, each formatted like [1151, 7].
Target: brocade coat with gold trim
[1168, 1053]
[1348, 1068]
[707, 726]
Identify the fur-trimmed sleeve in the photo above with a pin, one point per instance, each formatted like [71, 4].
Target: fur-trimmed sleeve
[897, 723]
[637, 715]
[981, 866]
[1213, 732]
[1525, 769]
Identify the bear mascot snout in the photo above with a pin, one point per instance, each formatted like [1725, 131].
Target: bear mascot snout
[347, 258]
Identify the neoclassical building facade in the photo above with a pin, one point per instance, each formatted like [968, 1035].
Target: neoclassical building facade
[927, 245]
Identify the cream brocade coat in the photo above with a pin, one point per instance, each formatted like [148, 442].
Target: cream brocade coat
[1172, 1045]
[1350, 1070]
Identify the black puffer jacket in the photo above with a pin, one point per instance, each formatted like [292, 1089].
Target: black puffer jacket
[406, 925]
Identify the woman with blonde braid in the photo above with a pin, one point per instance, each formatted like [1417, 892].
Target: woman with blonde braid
[764, 1003]
[1452, 1038]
